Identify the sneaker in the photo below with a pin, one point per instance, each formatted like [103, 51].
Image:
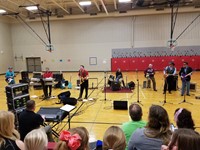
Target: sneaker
[188, 94]
[170, 92]
[155, 90]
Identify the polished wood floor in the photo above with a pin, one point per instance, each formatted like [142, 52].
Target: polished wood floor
[98, 114]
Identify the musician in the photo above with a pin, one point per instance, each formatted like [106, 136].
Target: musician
[185, 74]
[10, 75]
[169, 73]
[149, 74]
[83, 75]
[29, 120]
[47, 74]
[119, 76]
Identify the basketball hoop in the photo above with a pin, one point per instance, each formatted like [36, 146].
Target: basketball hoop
[171, 44]
[49, 48]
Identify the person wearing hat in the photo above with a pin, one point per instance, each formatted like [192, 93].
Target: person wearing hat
[169, 73]
[10, 75]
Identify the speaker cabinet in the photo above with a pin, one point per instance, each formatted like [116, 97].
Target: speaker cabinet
[115, 86]
[192, 86]
[120, 105]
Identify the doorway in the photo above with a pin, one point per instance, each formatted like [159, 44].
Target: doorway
[33, 64]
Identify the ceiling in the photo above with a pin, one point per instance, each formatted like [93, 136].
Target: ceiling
[70, 9]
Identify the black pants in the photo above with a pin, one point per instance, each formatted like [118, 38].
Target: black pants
[45, 89]
[84, 85]
[168, 83]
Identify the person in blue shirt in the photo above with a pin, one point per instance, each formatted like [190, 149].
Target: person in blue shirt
[10, 75]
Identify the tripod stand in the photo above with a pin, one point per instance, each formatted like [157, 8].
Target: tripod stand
[184, 100]
[138, 92]
[165, 95]
[105, 74]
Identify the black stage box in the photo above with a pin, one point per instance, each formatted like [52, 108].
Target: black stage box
[120, 105]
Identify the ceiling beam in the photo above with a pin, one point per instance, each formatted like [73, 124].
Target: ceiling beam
[95, 2]
[104, 7]
[60, 6]
[78, 5]
[115, 4]
[41, 6]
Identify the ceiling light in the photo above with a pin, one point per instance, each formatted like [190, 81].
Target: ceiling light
[85, 3]
[2, 11]
[30, 8]
[124, 1]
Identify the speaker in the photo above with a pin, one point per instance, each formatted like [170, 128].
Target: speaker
[120, 105]
[131, 85]
[192, 86]
[115, 86]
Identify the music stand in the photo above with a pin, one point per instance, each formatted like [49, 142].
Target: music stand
[184, 100]
[165, 95]
[138, 93]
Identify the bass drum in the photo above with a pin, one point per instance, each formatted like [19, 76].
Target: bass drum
[111, 79]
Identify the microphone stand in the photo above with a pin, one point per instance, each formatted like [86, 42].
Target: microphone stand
[105, 74]
[165, 95]
[184, 100]
[138, 93]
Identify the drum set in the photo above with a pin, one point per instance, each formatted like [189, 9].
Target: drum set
[115, 83]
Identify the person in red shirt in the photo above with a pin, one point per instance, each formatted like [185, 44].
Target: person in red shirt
[47, 74]
[83, 75]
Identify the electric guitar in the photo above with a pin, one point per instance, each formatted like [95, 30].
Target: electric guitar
[83, 79]
[167, 75]
[183, 76]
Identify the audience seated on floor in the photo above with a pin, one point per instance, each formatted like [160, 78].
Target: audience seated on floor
[156, 133]
[135, 112]
[114, 139]
[9, 137]
[74, 139]
[183, 118]
[183, 139]
[36, 140]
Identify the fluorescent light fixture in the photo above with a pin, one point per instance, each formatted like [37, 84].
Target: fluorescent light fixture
[2, 11]
[85, 3]
[124, 1]
[30, 8]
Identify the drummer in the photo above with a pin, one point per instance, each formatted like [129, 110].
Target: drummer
[119, 77]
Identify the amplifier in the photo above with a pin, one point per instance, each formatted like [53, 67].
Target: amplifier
[120, 105]
[193, 86]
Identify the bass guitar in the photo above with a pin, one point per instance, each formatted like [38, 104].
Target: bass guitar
[183, 76]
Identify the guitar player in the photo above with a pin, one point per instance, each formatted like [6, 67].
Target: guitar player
[185, 74]
[149, 74]
[10, 75]
[83, 75]
[169, 73]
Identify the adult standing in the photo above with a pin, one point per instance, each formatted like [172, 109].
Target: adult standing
[185, 74]
[169, 73]
[83, 75]
[149, 74]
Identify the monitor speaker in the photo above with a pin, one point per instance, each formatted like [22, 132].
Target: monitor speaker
[120, 105]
